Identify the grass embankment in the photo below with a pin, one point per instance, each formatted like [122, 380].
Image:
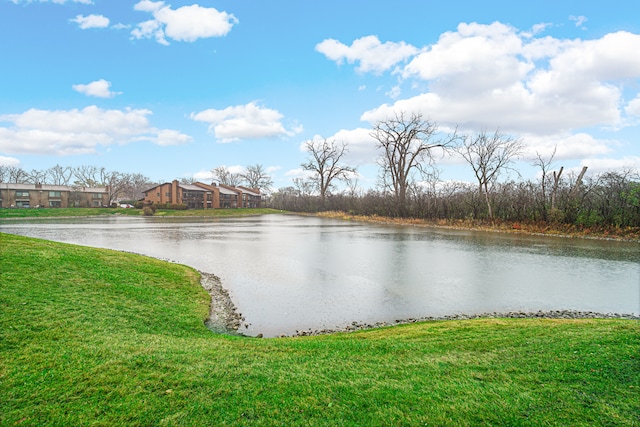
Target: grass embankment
[540, 227]
[78, 212]
[91, 336]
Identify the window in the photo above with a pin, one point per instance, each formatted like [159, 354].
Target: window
[96, 203]
[22, 194]
[55, 194]
[97, 196]
[167, 194]
[23, 204]
[55, 204]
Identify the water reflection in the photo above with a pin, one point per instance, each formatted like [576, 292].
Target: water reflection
[288, 273]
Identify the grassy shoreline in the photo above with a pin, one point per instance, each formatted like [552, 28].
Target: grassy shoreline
[92, 336]
[89, 212]
[630, 234]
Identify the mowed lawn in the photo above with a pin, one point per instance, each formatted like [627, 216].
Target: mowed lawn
[98, 337]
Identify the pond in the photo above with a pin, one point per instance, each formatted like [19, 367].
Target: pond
[287, 273]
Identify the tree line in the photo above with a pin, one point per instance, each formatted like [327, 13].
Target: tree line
[408, 181]
[409, 184]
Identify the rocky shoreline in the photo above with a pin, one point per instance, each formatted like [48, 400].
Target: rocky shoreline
[551, 314]
[223, 314]
[224, 317]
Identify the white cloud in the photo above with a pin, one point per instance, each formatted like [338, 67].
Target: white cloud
[272, 169]
[492, 76]
[607, 165]
[474, 59]
[372, 55]
[299, 173]
[579, 20]
[165, 137]
[633, 107]
[9, 161]
[186, 23]
[567, 147]
[394, 92]
[91, 21]
[99, 88]
[203, 176]
[249, 121]
[69, 132]
[361, 147]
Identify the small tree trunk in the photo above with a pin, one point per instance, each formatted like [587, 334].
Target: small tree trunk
[554, 191]
[574, 191]
[486, 197]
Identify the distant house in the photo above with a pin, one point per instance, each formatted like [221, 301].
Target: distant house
[51, 196]
[202, 196]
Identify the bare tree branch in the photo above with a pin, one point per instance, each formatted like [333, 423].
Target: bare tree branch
[406, 144]
[325, 163]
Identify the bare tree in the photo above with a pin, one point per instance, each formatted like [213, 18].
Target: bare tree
[59, 175]
[135, 186]
[86, 176]
[116, 183]
[37, 177]
[407, 145]
[224, 176]
[303, 187]
[544, 164]
[13, 174]
[325, 163]
[257, 178]
[488, 155]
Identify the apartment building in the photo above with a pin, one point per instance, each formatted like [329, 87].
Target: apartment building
[202, 196]
[51, 196]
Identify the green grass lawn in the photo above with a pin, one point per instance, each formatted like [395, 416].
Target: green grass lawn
[74, 212]
[98, 337]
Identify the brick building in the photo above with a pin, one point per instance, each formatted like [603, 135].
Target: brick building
[51, 196]
[202, 196]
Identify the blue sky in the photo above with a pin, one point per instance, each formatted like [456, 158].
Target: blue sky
[173, 89]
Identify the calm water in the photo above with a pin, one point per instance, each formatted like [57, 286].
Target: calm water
[288, 273]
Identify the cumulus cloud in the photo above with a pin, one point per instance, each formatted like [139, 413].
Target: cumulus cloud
[600, 165]
[249, 121]
[99, 88]
[369, 52]
[91, 21]
[70, 132]
[567, 147]
[360, 145]
[9, 161]
[186, 23]
[633, 107]
[494, 76]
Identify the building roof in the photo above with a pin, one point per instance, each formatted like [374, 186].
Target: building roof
[192, 187]
[224, 190]
[47, 187]
[250, 191]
